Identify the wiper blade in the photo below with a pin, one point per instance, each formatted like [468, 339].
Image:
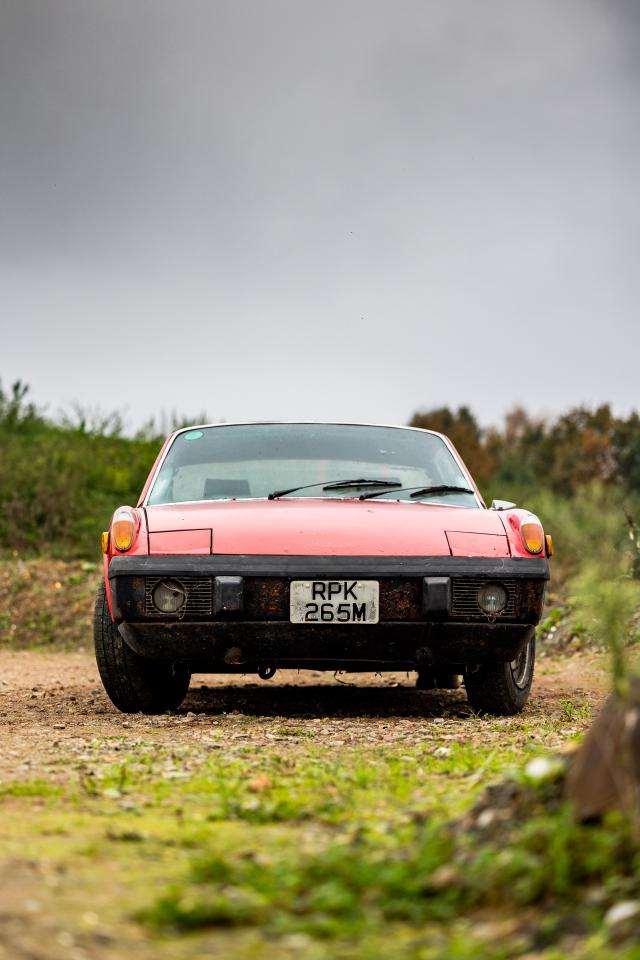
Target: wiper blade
[283, 493]
[336, 485]
[340, 484]
[440, 488]
[421, 491]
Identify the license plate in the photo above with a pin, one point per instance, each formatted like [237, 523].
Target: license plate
[334, 601]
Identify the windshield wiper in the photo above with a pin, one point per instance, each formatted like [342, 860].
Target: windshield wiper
[420, 491]
[337, 485]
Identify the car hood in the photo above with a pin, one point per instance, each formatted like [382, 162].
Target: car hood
[316, 527]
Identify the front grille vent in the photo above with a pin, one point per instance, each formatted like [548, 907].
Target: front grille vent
[199, 592]
[464, 598]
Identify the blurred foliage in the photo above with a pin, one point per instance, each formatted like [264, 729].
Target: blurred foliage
[604, 589]
[564, 455]
[426, 875]
[60, 482]
[606, 598]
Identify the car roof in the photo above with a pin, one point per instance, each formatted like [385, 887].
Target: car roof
[336, 423]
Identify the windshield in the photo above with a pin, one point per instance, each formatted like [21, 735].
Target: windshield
[248, 461]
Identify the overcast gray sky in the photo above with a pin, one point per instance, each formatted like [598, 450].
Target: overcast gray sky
[340, 209]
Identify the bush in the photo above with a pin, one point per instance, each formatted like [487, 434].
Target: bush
[59, 487]
[60, 482]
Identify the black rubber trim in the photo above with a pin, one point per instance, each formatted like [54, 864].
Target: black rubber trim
[269, 642]
[261, 565]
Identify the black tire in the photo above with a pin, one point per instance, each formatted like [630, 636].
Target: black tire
[134, 684]
[502, 688]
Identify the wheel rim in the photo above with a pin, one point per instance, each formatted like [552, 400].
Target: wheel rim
[521, 667]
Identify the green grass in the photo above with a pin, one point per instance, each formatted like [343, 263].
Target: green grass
[29, 788]
[276, 787]
[297, 851]
[424, 873]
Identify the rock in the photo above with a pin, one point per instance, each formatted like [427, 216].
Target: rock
[485, 819]
[544, 769]
[595, 896]
[604, 774]
[445, 876]
[623, 917]
[260, 783]
[442, 752]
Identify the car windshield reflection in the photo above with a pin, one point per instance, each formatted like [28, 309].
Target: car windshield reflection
[327, 460]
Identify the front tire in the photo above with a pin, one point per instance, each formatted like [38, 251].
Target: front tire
[502, 688]
[134, 684]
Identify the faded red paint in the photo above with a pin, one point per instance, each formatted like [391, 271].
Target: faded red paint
[322, 527]
[317, 527]
[175, 542]
[465, 544]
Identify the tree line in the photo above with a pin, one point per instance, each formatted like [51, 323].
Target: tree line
[562, 454]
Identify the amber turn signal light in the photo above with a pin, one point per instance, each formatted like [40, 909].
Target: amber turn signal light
[532, 535]
[104, 541]
[123, 529]
[549, 543]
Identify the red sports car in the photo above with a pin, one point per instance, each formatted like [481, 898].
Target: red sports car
[322, 545]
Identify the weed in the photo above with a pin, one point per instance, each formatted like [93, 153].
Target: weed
[575, 711]
[29, 788]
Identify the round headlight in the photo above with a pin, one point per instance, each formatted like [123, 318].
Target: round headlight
[169, 596]
[492, 598]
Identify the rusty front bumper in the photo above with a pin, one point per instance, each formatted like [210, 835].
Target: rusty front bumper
[427, 612]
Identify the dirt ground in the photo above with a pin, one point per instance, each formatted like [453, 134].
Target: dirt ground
[57, 727]
[52, 704]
